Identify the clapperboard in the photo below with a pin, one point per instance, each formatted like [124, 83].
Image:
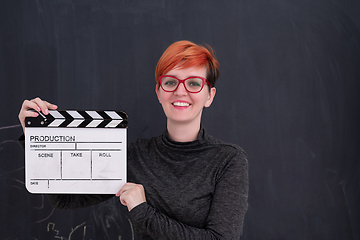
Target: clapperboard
[76, 152]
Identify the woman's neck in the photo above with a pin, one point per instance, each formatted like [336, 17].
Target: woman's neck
[183, 132]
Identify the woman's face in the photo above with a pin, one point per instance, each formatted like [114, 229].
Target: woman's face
[181, 106]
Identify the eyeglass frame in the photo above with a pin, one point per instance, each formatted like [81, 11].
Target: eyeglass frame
[204, 80]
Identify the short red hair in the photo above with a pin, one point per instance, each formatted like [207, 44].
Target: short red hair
[186, 54]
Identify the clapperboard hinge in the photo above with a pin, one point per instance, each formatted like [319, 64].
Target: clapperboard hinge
[79, 119]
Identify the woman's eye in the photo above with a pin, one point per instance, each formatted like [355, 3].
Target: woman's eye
[194, 83]
[170, 82]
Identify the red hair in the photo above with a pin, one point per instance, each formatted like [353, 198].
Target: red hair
[184, 54]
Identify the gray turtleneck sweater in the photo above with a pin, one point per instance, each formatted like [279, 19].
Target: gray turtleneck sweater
[194, 190]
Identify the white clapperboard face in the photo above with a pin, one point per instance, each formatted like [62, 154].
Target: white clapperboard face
[76, 152]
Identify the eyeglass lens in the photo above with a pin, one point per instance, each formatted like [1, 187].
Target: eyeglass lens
[191, 84]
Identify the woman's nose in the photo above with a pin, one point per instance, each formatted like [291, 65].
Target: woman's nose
[181, 90]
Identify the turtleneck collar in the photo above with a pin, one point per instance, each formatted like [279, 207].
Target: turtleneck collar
[184, 145]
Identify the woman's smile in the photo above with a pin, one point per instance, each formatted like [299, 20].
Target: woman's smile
[181, 104]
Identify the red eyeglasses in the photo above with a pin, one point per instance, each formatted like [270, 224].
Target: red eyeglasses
[192, 84]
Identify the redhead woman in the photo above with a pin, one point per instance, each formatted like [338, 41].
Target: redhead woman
[183, 184]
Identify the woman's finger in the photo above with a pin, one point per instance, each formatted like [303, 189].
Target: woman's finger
[50, 105]
[41, 105]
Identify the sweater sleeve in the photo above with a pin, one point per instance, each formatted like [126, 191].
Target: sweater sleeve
[71, 201]
[226, 215]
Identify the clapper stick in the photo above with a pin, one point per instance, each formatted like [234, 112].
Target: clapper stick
[70, 151]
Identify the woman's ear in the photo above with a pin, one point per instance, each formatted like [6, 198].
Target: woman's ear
[157, 92]
[211, 97]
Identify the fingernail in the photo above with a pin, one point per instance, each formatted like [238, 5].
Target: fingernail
[46, 111]
[38, 108]
[36, 114]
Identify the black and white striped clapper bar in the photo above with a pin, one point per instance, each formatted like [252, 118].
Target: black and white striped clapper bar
[69, 151]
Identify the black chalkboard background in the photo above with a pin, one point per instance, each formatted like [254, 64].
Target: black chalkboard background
[288, 93]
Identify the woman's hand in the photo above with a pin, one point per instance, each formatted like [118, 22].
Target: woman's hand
[36, 104]
[131, 195]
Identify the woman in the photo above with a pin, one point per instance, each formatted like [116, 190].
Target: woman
[183, 184]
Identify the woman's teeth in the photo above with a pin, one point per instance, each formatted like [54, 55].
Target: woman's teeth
[181, 104]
